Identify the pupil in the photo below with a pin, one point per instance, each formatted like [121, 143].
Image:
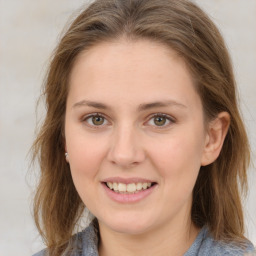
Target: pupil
[160, 120]
[97, 120]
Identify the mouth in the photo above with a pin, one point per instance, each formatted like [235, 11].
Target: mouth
[130, 188]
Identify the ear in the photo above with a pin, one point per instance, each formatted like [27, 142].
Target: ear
[66, 152]
[216, 133]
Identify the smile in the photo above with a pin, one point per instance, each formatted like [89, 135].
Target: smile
[128, 188]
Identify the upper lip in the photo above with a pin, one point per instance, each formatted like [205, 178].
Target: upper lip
[127, 180]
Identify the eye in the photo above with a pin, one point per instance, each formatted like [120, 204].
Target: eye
[95, 120]
[160, 120]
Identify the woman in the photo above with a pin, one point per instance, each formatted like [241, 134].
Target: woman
[142, 128]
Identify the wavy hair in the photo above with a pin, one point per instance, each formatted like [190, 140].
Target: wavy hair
[184, 27]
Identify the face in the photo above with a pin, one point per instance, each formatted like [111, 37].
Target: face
[135, 135]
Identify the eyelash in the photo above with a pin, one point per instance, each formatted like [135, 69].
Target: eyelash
[87, 117]
[170, 120]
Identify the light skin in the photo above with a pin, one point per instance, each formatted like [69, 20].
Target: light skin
[133, 112]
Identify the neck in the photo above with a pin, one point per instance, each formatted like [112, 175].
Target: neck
[162, 241]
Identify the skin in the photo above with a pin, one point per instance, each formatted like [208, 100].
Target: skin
[126, 77]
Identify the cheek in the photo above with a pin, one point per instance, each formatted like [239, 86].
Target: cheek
[85, 162]
[178, 162]
[86, 154]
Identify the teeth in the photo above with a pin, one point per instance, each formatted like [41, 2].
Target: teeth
[110, 185]
[121, 187]
[144, 185]
[130, 188]
[115, 186]
[139, 186]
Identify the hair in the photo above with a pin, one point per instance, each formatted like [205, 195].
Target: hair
[183, 27]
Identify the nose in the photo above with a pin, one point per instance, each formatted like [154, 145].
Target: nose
[126, 149]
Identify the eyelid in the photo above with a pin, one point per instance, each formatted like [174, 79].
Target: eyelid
[86, 117]
[168, 117]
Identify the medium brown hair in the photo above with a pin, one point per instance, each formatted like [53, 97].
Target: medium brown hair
[184, 27]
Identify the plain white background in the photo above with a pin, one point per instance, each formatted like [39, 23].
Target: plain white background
[29, 31]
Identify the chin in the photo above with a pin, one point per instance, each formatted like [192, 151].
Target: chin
[129, 230]
[125, 225]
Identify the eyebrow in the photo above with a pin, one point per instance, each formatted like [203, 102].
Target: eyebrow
[90, 104]
[156, 104]
[142, 107]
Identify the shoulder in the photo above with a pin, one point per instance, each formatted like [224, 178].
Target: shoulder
[206, 245]
[218, 248]
[82, 243]
[41, 253]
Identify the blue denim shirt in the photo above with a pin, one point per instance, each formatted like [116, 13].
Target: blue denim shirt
[86, 244]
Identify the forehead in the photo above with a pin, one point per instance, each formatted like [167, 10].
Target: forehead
[123, 69]
[111, 54]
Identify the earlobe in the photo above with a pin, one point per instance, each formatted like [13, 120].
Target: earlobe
[66, 153]
[66, 156]
[217, 131]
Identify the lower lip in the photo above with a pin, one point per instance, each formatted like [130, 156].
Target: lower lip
[128, 198]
